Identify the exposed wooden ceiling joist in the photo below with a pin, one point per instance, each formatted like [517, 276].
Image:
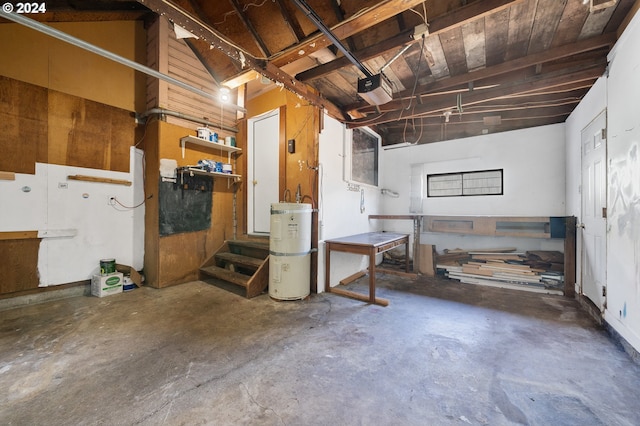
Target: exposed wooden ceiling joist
[475, 97]
[368, 18]
[211, 39]
[565, 51]
[249, 26]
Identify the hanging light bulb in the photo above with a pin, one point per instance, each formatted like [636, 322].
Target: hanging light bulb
[225, 94]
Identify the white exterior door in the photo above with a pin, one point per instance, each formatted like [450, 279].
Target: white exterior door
[263, 164]
[594, 222]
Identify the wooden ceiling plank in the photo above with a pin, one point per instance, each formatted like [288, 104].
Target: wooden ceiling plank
[478, 96]
[546, 21]
[473, 11]
[211, 39]
[571, 22]
[368, 18]
[596, 22]
[249, 26]
[474, 44]
[569, 50]
[364, 55]
[520, 25]
[453, 46]
[291, 21]
[435, 57]
[436, 25]
[496, 27]
[338, 12]
[625, 11]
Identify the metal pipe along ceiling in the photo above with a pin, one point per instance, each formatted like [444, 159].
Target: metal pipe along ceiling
[35, 25]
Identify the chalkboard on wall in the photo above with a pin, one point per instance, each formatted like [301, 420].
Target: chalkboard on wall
[185, 206]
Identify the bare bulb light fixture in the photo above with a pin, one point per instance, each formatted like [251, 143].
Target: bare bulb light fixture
[225, 94]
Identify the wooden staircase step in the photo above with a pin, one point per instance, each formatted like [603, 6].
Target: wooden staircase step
[226, 275]
[240, 260]
[249, 248]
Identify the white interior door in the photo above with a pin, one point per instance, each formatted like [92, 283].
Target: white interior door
[594, 222]
[263, 165]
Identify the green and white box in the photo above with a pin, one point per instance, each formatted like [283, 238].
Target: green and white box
[106, 285]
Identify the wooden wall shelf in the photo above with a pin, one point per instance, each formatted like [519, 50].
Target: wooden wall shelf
[547, 227]
[498, 226]
[212, 145]
[194, 171]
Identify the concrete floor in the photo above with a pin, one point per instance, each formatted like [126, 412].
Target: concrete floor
[441, 353]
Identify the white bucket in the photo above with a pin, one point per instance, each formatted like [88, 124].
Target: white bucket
[203, 133]
[226, 168]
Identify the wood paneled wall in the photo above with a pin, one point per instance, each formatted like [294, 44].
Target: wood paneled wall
[175, 259]
[24, 123]
[20, 258]
[45, 126]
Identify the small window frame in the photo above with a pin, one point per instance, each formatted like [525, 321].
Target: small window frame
[459, 191]
[363, 138]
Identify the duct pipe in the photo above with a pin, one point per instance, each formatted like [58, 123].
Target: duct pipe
[52, 32]
[193, 118]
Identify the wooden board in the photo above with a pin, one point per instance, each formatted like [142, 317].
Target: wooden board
[88, 134]
[23, 126]
[20, 258]
[427, 260]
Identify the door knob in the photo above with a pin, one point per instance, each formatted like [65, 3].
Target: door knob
[580, 225]
[255, 182]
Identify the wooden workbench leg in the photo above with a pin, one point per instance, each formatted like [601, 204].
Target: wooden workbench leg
[327, 268]
[372, 276]
[416, 244]
[406, 256]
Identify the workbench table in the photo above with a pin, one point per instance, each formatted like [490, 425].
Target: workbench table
[369, 244]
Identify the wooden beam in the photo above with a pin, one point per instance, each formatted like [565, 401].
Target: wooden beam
[7, 176]
[468, 13]
[480, 96]
[291, 21]
[18, 235]
[369, 17]
[249, 26]
[554, 54]
[99, 180]
[212, 39]
[357, 296]
[378, 49]
[436, 25]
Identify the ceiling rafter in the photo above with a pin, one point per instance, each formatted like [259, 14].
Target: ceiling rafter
[561, 52]
[249, 26]
[209, 38]
[355, 24]
[291, 21]
[480, 96]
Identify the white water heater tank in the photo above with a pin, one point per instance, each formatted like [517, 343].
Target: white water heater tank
[290, 251]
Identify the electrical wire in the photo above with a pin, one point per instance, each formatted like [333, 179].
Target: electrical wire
[131, 207]
[415, 83]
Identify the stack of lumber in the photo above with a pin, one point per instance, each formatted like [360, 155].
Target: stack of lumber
[539, 271]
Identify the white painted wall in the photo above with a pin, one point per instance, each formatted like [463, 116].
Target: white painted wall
[623, 175]
[619, 93]
[77, 225]
[534, 182]
[339, 209]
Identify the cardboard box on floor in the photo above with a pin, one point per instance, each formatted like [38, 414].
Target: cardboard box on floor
[106, 285]
[133, 274]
